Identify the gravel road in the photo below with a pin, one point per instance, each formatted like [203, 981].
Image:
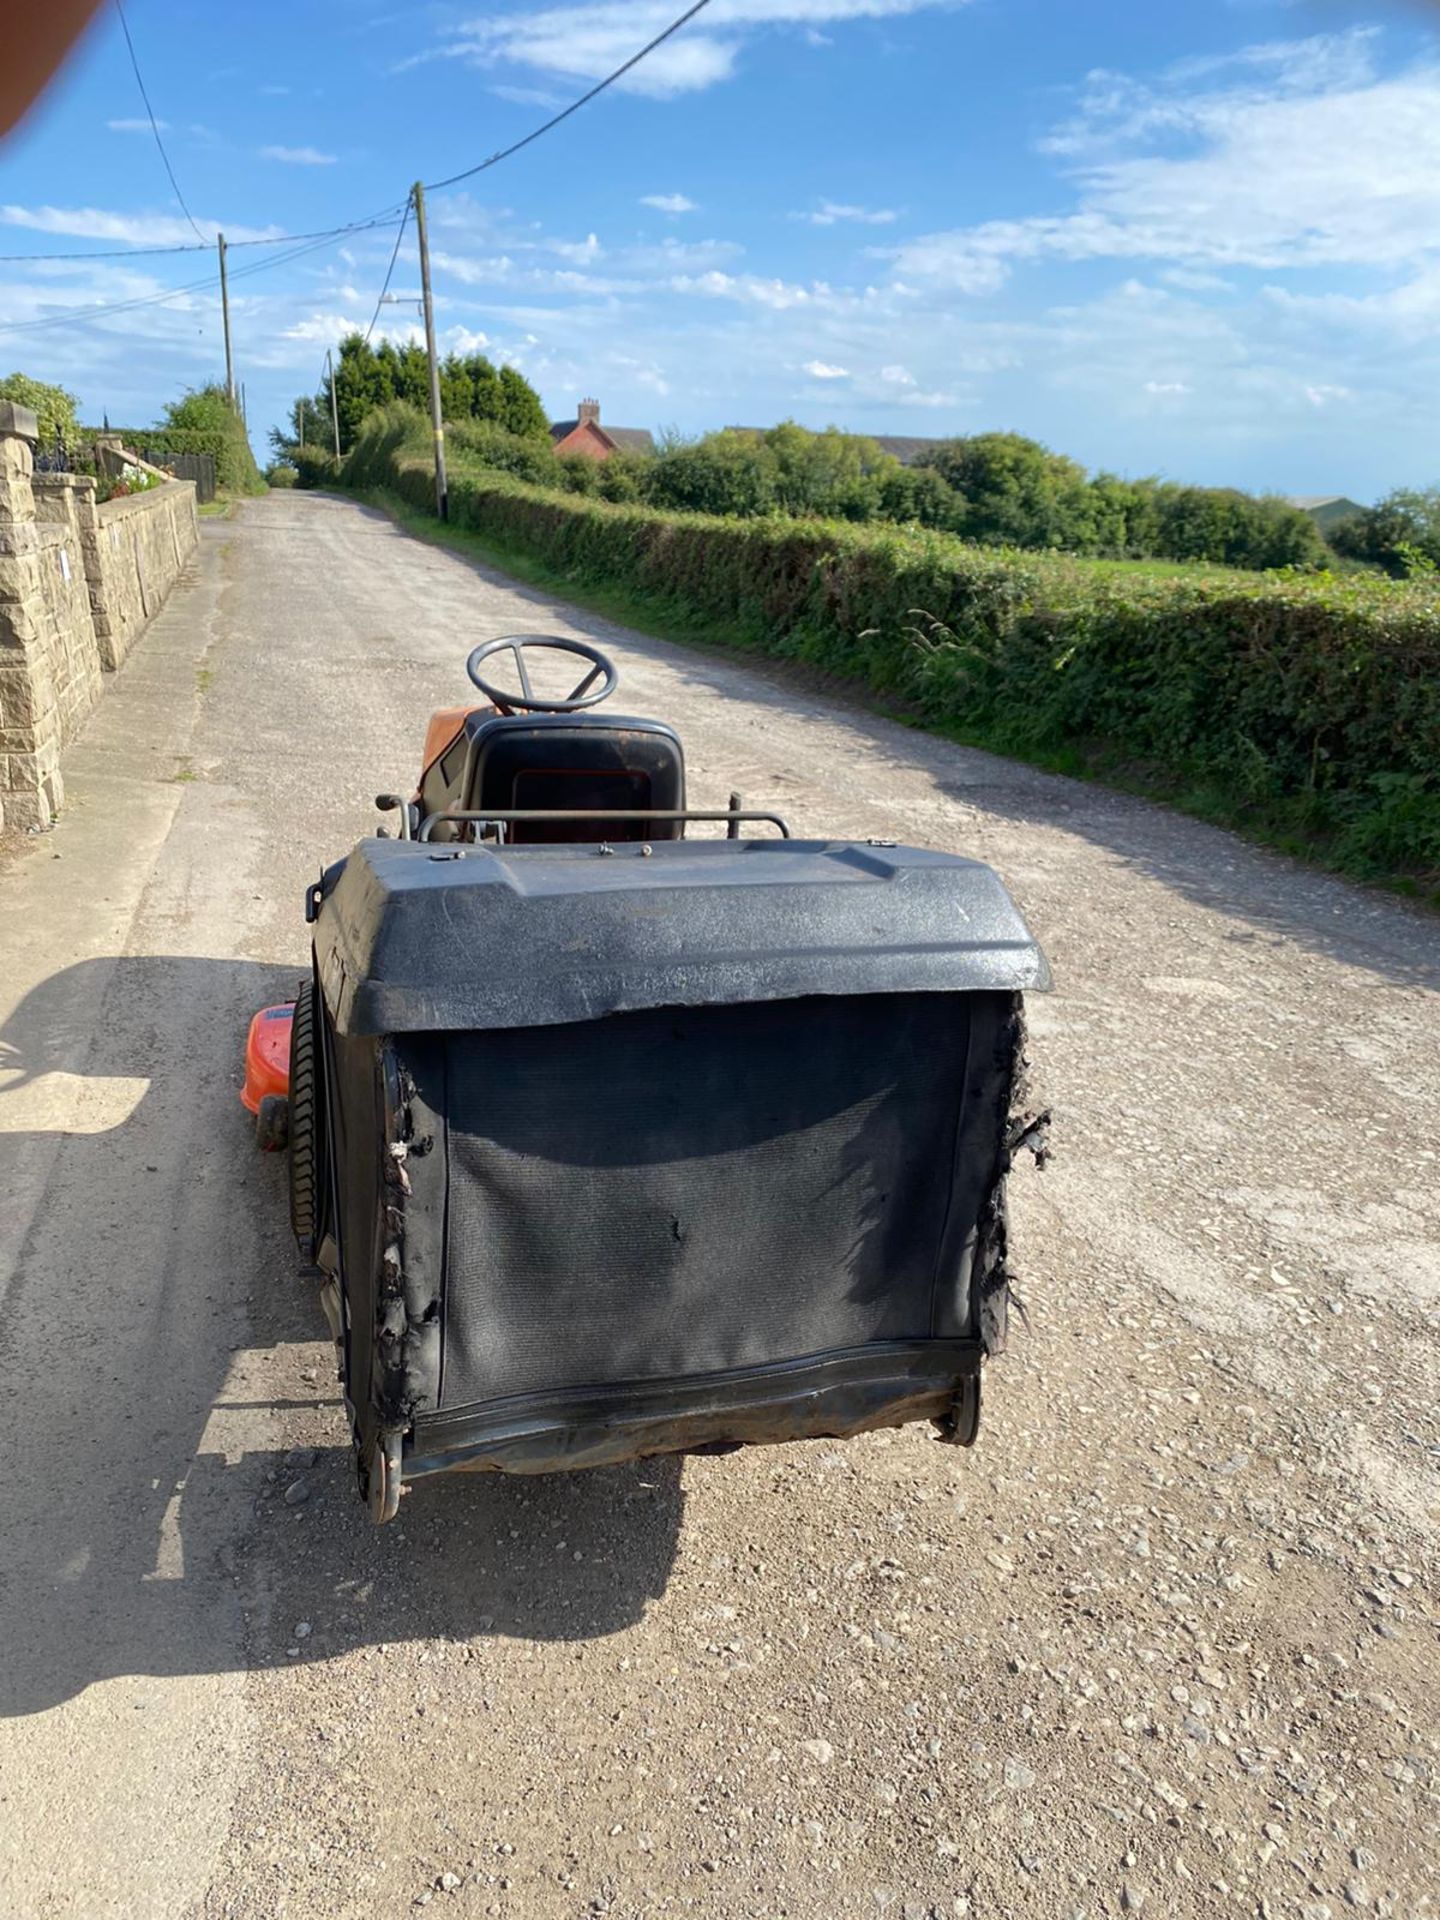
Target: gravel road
[1165, 1642]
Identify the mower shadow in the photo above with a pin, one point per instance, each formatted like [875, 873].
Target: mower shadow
[161, 1364]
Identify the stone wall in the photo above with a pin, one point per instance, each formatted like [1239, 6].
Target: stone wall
[77, 583]
[137, 551]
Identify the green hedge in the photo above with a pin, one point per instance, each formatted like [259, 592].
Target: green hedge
[1304, 705]
[235, 469]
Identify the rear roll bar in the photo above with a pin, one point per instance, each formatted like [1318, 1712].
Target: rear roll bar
[505, 816]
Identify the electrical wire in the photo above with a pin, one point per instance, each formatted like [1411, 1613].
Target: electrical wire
[319, 239]
[394, 256]
[81, 316]
[154, 123]
[435, 186]
[381, 219]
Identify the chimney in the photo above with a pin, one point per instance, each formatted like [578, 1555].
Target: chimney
[589, 414]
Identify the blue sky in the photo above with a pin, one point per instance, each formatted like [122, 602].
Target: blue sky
[1199, 238]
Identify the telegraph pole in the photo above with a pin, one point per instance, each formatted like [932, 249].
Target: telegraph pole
[225, 309]
[334, 409]
[442, 493]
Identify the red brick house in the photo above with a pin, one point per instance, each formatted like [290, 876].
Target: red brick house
[585, 435]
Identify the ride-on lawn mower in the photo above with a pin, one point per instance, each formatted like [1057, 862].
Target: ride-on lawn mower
[606, 1142]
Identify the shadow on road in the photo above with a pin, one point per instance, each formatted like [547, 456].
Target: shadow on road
[1279, 900]
[160, 1361]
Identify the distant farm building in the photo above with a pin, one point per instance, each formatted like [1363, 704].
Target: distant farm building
[585, 435]
[1327, 510]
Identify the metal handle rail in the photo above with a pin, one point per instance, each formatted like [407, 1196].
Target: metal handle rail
[526, 815]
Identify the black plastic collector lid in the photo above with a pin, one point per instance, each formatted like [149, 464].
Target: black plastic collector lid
[412, 937]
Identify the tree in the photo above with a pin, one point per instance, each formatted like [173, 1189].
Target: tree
[832, 473]
[725, 473]
[53, 407]
[1400, 533]
[920, 496]
[366, 377]
[1016, 492]
[520, 408]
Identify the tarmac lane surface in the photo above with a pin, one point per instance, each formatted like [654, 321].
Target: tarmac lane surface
[1164, 1641]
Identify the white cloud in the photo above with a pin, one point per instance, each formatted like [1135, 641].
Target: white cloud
[136, 126]
[1322, 394]
[527, 96]
[130, 229]
[1292, 155]
[1166, 386]
[822, 370]
[1197, 280]
[749, 289]
[895, 376]
[830, 213]
[579, 252]
[587, 41]
[298, 156]
[667, 202]
[323, 329]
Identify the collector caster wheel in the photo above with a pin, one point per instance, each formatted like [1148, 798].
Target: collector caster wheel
[961, 1425]
[272, 1123]
[383, 1481]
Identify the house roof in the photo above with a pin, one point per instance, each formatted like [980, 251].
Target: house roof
[624, 439]
[1309, 502]
[907, 448]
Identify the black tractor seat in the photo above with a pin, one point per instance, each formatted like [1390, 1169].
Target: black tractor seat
[568, 760]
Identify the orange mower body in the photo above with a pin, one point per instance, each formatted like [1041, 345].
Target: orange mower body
[266, 1091]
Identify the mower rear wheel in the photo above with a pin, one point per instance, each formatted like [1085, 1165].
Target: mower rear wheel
[305, 1157]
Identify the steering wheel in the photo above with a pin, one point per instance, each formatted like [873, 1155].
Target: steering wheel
[527, 701]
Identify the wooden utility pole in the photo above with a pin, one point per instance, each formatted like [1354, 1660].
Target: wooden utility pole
[225, 310]
[334, 408]
[442, 492]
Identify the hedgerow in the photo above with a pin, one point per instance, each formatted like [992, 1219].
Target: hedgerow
[1307, 704]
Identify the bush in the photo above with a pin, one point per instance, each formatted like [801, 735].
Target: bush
[315, 467]
[484, 443]
[202, 422]
[53, 407]
[206, 410]
[281, 474]
[1302, 702]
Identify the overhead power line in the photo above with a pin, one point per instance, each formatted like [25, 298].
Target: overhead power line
[381, 219]
[308, 243]
[80, 316]
[154, 124]
[434, 186]
[386, 214]
[394, 256]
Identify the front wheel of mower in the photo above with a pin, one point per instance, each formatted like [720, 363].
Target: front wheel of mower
[305, 1157]
[272, 1123]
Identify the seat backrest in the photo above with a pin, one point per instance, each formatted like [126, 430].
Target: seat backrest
[566, 760]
